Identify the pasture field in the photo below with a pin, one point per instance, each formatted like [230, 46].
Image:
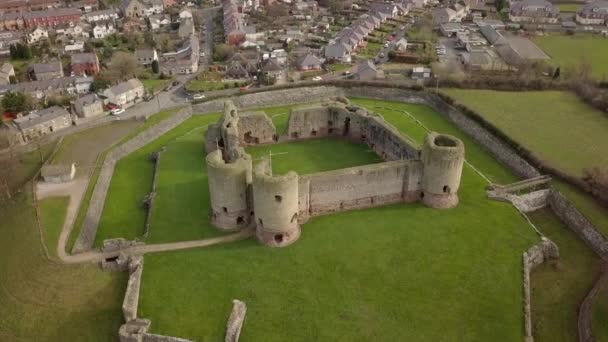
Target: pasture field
[556, 126]
[466, 267]
[569, 51]
[42, 300]
[52, 216]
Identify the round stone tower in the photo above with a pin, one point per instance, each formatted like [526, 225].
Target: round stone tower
[228, 184]
[442, 157]
[275, 202]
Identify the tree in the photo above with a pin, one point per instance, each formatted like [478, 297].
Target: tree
[500, 5]
[155, 67]
[89, 47]
[596, 182]
[122, 66]
[556, 73]
[99, 84]
[222, 52]
[20, 51]
[16, 102]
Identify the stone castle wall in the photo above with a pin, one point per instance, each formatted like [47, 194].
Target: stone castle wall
[359, 187]
[86, 238]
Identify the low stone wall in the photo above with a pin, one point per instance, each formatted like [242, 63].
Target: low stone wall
[533, 257]
[86, 238]
[578, 223]
[131, 300]
[585, 332]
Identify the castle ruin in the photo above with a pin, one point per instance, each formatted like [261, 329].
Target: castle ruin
[244, 195]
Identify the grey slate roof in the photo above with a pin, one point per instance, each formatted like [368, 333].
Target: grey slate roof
[40, 116]
[308, 60]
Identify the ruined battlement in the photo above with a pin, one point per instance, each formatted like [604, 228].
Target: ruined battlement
[278, 204]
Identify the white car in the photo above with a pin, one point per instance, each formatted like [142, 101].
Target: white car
[198, 96]
[317, 78]
[385, 45]
[117, 111]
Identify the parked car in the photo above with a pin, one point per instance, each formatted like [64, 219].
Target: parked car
[317, 78]
[148, 97]
[385, 45]
[175, 83]
[117, 111]
[198, 96]
[402, 27]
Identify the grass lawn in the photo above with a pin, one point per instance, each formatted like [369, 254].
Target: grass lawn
[359, 275]
[99, 152]
[558, 288]
[154, 84]
[52, 216]
[370, 51]
[573, 7]
[600, 315]
[123, 214]
[339, 67]
[555, 125]
[43, 300]
[568, 51]
[315, 155]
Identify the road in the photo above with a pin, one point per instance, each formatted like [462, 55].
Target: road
[399, 33]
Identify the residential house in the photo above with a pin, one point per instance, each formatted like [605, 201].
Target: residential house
[72, 30]
[8, 38]
[280, 56]
[185, 14]
[367, 71]
[183, 61]
[294, 32]
[58, 86]
[534, 11]
[252, 35]
[126, 93]
[387, 8]
[153, 7]
[233, 23]
[103, 29]
[145, 57]
[73, 48]
[243, 65]
[401, 45]
[38, 34]
[103, 15]
[58, 173]
[11, 21]
[85, 5]
[593, 13]
[43, 122]
[308, 62]
[6, 72]
[85, 64]
[52, 17]
[271, 69]
[158, 20]
[453, 13]
[337, 51]
[45, 71]
[88, 106]
[186, 28]
[450, 29]
[169, 3]
[133, 9]
[134, 25]
[7, 6]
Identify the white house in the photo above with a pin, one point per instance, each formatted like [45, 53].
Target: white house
[37, 34]
[76, 47]
[102, 30]
[185, 14]
[154, 7]
[126, 93]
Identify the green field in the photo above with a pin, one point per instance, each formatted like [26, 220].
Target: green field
[52, 215]
[573, 7]
[323, 154]
[558, 127]
[359, 275]
[569, 51]
[42, 300]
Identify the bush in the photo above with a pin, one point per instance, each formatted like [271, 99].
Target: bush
[596, 182]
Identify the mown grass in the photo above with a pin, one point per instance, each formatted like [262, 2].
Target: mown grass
[450, 274]
[573, 7]
[558, 127]
[600, 315]
[153, 85]
[52, 212]
[559, 287]
[43, 300]
[123, 214]
[570, 51]
[315, 155]
[84, 205]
